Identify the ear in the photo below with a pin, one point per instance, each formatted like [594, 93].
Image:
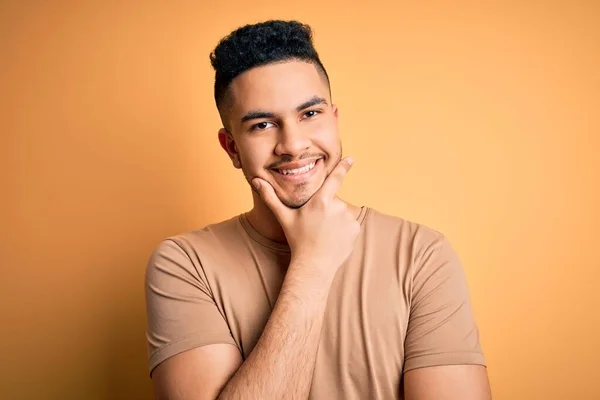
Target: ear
[228, 144]
[335, 111]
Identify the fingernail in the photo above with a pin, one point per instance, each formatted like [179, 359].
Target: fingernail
[256, 183]
[350, 160]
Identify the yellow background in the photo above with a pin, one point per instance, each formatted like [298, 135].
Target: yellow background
[480, 120]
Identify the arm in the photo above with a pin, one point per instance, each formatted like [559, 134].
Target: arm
[279, 366]
[448, 382]
[321, 236]
[442, 349]
[282, 363]
[199, 373]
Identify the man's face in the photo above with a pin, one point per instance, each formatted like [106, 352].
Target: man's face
[283, 129]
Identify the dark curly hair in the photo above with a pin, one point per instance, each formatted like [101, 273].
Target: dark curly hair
[260, 44]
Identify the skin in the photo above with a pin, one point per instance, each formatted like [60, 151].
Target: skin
[258, 145]
[280, 116]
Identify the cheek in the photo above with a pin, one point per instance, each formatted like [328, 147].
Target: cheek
[326, 137]
[254, 156]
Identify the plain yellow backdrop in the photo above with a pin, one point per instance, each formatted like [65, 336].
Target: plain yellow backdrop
[479, 119]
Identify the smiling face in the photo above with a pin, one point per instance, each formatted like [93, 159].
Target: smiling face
[283, 129]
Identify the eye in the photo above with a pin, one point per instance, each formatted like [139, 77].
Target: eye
[312, 113]
[261, 126]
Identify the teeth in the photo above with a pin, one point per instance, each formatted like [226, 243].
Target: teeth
[302, 170]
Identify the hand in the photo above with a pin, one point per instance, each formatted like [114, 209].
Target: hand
[322, 232]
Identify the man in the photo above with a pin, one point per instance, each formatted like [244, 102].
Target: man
[306, 295]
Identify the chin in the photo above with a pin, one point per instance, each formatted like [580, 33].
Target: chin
[295, 204]
[296, 201]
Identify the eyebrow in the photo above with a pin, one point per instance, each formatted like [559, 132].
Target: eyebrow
[313, 101]
[256, 114]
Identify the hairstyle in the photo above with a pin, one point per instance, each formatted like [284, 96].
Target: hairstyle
[260, 44]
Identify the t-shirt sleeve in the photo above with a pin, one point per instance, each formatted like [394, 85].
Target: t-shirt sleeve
[180, 309]
[441, 327]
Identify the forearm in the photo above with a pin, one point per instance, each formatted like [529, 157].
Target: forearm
[282, 362]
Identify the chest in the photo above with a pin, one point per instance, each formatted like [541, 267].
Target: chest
[362, 340]
[361, 350]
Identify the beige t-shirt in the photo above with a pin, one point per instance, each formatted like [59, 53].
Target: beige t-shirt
[399, 302]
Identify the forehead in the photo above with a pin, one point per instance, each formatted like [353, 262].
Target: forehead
[277, 88]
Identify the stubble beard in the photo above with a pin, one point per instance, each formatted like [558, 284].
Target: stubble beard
[301, 199]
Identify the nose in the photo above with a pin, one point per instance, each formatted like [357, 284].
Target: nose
[292, 141]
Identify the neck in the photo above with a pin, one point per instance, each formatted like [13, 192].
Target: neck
[264, 221]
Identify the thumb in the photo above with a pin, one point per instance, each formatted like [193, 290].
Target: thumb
[267, 193]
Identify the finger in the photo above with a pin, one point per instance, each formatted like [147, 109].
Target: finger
[267, 193]
[336, 177]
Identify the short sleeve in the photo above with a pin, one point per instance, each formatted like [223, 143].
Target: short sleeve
[180, 309]
[441, 327]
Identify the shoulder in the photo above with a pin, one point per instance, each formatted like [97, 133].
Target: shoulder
[207, 236]
[419, 247]
[185, 249]
[405, 231]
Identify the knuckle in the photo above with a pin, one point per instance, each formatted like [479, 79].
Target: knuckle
[342, 168]
[342, 172]
[320, 201]
[340, 207]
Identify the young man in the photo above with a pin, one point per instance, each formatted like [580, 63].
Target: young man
[304, 296]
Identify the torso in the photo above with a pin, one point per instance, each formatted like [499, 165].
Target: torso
[361, 349]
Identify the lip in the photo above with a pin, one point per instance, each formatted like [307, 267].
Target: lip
[294, 165]
[297, 164]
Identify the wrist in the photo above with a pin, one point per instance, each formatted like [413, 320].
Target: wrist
[310, 273]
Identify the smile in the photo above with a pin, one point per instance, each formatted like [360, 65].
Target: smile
[299, 174]
[296, 171]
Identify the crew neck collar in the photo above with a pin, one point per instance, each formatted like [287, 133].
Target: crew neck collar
[283, 247]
